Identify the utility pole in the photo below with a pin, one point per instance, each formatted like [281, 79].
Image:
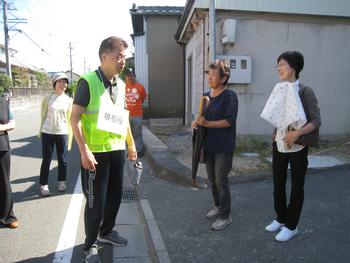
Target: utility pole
[71, 62]
[6, 32]
[14, 22]
[84, 65]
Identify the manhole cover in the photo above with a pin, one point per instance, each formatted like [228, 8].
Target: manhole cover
[129, 194]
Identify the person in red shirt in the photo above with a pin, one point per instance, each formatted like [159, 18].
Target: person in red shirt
[135, 95]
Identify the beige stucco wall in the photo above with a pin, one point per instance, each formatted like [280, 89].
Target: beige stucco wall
[324, 42]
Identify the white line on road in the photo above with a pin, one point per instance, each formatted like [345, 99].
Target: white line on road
[64, 250]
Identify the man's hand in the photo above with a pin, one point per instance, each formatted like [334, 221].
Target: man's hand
[132, 154]
[88, 160]
[8, 126]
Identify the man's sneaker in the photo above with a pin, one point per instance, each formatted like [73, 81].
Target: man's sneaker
[44, 190]
[274, 226]
[91, 255]
[286, 234]
[113, 238]
[220, 224]
[213, 213]
[62, 186]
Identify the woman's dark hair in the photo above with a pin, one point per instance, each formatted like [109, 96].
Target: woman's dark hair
[295, 60]
[110, 44]
[223, 68]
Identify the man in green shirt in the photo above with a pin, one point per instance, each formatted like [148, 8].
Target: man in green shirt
[100, 98]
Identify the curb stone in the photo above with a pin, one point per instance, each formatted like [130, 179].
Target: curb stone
[154, 236]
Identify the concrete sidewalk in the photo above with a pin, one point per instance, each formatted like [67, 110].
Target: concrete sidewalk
[136, 222]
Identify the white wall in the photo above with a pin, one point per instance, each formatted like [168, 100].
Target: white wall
[141, 63]
[196, 49]
[141, 58]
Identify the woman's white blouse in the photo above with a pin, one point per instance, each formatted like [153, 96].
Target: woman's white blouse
[56, 116]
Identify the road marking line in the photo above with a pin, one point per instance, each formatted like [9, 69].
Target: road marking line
[66, 242]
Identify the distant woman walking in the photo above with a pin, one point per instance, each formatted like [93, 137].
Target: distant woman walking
[55, 129]
[292, 109]
[7, 123]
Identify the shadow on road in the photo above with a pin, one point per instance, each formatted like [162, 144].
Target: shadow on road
[33, 150]
[105, 253]
[28, 147]
[77, 256]
[32, 192]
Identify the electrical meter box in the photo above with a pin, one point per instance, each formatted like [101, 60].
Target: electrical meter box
[240, 68]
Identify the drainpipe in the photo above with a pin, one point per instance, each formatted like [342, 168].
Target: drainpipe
[212, 28]
[204, 51]
[184, 81]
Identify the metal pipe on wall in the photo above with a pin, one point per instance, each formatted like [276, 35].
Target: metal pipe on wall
[212, 21]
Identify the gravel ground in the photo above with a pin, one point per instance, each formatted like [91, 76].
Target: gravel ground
[179, 141]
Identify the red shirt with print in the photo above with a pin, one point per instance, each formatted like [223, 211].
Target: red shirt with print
[135, 95]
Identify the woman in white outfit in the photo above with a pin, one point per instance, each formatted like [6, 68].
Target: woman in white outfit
[55, 129]
[290, 146]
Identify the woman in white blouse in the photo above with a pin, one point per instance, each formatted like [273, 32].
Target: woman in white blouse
[55, 129]
[300, 117]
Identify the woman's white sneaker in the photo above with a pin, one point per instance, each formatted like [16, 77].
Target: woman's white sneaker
[274, 226]
[44, 190]
[220, 224]
[62, 186]
[286, 234]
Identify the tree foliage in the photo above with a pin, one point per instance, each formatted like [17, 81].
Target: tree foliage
[43, 80]
[71, 89]
[5, 83]
[21, 77]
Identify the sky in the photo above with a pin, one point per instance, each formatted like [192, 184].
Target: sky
[53, 24]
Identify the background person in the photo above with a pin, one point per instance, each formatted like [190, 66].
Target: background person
[219, 145]
[102, 152]
[287, 151]
[55, 130]
[7, 123]
[135, 96]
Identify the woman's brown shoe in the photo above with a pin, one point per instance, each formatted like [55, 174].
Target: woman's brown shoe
[13, 224]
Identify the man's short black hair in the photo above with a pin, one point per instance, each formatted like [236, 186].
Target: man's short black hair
[110, 44]
[295, 60]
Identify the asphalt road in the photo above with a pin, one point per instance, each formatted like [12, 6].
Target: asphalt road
[180, 213]
[324, 228]
[41, 219]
